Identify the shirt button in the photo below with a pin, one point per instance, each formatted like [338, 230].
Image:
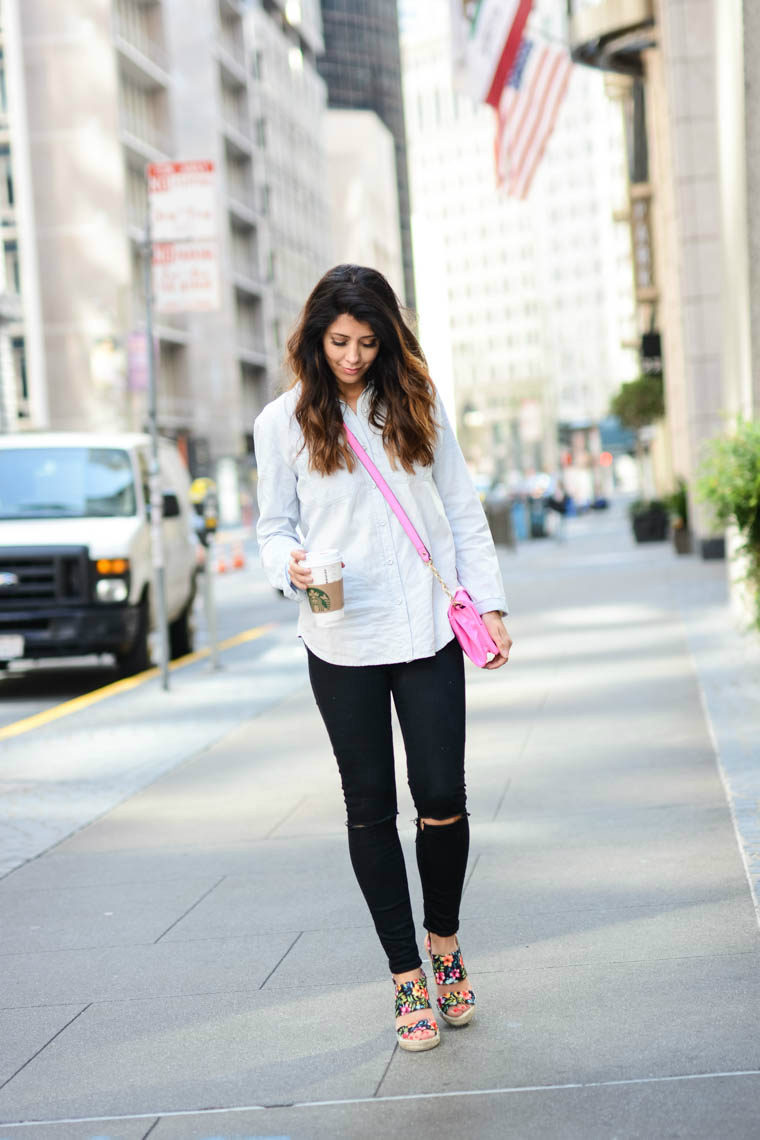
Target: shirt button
[390, 561]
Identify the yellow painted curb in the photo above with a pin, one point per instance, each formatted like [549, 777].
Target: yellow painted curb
[68, 707]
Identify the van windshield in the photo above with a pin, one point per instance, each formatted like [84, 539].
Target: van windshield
[66, 482]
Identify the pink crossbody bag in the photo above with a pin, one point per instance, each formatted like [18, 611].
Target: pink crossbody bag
[467, 624]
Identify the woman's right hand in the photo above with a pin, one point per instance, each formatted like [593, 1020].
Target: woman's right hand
[300, 576]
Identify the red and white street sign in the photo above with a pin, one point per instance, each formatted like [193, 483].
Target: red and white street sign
[182, 200]
[184, 232]
[186, 277]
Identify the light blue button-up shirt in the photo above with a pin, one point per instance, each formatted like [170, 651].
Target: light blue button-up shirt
[395, 609]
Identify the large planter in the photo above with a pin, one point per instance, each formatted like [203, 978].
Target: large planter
[650, 525]
[682, 540]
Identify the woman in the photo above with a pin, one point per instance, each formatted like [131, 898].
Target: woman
[355, 360]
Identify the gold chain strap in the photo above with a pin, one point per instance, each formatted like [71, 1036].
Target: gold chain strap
[444, 587]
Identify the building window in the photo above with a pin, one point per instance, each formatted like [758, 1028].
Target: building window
[6, 179]
[12, 270]
[18, 349]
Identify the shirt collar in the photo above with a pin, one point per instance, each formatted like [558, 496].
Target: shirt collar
[361, 404]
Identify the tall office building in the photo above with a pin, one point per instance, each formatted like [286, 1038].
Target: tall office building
[285, 37]
[524, 305]
[364, 198]
[362, 67]
[686, 72]
[145, 81]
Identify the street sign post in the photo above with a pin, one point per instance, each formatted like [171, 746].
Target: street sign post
[181, 271]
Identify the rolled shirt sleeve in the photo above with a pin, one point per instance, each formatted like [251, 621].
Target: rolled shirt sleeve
[476, 560]
[277, 527]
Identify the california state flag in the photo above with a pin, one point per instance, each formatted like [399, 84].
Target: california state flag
[495, 31]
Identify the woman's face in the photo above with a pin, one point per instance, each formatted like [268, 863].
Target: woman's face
[350, 348]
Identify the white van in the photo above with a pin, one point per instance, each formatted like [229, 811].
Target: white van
[75, 547]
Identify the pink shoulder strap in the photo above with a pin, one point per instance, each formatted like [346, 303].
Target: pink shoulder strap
[388, 495]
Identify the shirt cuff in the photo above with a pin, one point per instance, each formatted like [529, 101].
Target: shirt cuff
[289, 590]
[488, 604]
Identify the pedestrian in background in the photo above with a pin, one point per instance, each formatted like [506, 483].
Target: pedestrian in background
[559, 502]
[356, 363]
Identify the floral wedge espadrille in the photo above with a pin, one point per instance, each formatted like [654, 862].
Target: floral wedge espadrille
[412, 996]
[449, 970]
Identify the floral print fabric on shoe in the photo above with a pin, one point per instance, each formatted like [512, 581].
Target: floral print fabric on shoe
[413, 997]
[448, 969]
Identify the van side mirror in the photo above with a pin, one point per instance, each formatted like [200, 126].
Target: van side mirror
[171, 505]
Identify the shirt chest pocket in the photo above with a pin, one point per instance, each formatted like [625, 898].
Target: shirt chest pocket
[315, 490]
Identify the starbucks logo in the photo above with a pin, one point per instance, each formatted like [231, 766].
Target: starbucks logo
[318, 599]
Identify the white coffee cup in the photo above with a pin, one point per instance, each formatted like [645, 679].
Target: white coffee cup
[325, 593]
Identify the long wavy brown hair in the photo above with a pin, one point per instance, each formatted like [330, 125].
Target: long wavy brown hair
[401, 393]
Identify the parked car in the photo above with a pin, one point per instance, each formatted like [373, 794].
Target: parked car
[75, 547]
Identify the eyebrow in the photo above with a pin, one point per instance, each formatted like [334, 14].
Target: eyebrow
[346, 336]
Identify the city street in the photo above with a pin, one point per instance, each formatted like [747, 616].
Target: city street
[242, 599]
[184, 952]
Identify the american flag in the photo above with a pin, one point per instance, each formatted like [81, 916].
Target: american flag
[527, 112]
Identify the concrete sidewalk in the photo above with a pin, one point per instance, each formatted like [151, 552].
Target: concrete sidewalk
[199, 963]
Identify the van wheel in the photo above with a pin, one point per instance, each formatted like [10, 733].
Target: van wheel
[182, 634]
[137, 658]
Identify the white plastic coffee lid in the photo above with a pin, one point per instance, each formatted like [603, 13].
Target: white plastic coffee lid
[322, 557]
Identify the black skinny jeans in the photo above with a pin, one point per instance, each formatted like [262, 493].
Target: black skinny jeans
[355, 703]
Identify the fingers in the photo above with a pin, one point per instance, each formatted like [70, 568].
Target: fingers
[504, 643]
[300, 576]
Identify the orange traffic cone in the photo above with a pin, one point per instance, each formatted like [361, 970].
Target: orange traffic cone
[238, 557]
[221, 560]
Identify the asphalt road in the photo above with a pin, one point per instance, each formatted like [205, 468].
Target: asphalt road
[243, 600]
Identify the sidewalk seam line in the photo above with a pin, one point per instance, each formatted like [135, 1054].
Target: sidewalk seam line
[285, 818]
[502, 797]
[386, 1070]
[475, 862]
[253, 989]
[190, 908]
[282, 959]
[502, 1091]
[722, 775]
[29, 1060]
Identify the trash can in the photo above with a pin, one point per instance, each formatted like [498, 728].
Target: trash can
[499, 516]
[537, 518]
[519, 520]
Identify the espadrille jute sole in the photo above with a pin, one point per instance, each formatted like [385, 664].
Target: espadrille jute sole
[420, 1045]
[466, 1017]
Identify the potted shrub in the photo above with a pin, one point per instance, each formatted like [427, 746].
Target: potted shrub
[730, 483]
[637, 405]
[678, 508]
[649, 518]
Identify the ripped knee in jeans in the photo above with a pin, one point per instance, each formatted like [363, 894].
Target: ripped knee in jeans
[354, 826]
